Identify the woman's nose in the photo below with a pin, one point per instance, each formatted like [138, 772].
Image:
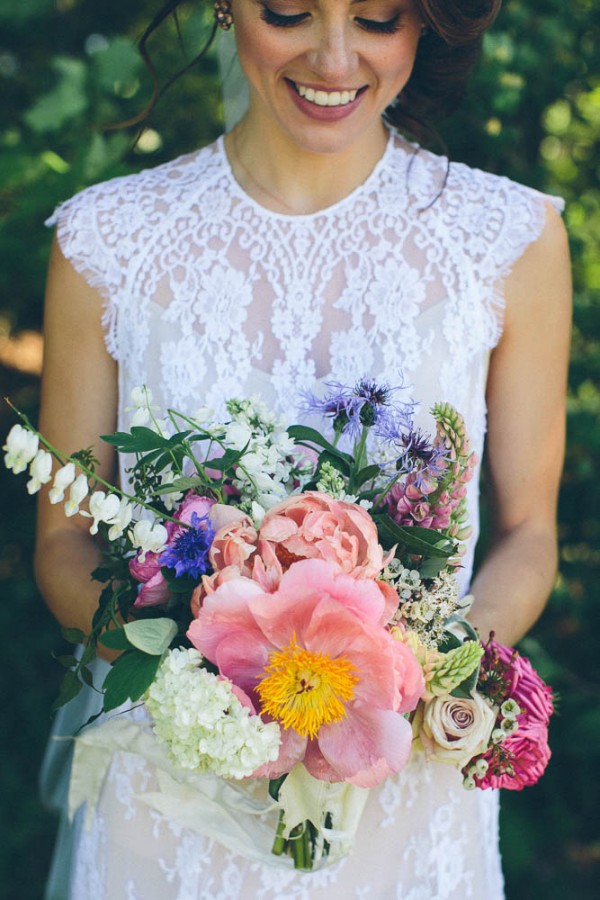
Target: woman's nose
[334, 57]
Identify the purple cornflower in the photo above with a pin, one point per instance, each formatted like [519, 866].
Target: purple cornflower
[367, 404]
[420, 456]
[188, 554]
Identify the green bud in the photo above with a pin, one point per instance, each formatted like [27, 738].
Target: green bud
[454, 667]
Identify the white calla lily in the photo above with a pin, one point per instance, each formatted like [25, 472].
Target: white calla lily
[40, 471]
[21, 447]
[63, 477]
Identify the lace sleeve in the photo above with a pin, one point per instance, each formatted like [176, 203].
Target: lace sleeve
[506, 219]
[88, 237]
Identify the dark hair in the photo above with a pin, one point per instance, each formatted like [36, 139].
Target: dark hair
[446, 54]
[448, 50]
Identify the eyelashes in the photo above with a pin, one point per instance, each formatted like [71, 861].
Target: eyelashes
[280, 21]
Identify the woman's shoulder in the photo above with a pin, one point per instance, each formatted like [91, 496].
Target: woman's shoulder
[127, 197]
[447, 186]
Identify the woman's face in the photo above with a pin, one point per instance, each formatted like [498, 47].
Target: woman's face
[323, 71]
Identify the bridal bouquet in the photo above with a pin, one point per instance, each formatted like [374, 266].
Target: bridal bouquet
[287, 610]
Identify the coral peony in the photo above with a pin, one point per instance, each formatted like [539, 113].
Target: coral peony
[314, 656]
[315, 526]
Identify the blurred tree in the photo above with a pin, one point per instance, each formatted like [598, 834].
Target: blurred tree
[68, 70]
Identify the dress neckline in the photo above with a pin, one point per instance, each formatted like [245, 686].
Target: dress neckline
[331, 210]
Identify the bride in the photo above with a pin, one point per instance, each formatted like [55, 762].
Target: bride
[311, 243]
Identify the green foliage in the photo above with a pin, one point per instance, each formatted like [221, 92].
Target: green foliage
[68, 71]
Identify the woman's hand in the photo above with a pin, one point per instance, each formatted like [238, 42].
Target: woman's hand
[526, 433]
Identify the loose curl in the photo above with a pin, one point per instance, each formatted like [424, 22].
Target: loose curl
[447, 51]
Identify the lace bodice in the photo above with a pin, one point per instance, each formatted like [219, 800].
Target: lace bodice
[208, 295]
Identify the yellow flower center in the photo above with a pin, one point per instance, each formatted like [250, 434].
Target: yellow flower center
[304, 690]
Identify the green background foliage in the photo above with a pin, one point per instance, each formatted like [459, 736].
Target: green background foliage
[68, 69]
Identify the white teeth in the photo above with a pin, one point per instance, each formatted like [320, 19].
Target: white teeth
[326, 98]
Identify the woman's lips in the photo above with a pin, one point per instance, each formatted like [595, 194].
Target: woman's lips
[324, 105]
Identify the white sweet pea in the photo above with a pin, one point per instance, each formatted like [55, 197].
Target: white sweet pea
[172, 499]
[21, 447]
[121, 520]
[40, 471]
[150, 538]
[103, 508]
[62, 479]
[140, 417]
[78, 492]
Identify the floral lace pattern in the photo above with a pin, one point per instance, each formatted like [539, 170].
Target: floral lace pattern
[207, 296]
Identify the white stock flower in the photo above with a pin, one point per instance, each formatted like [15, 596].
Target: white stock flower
[257, 513]
[78, 492]
[454, 730]
[103, 508]
[40, 471]
[237, 435]
[148, 537]
[63, 477]
[21, 447]
[121, 520]
[203, 723]
[170, 500]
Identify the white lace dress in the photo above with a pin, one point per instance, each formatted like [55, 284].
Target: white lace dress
[208, 296]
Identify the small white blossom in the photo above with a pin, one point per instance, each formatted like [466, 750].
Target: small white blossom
[63, 477]
[509, 726]
[103, 508]
[237, 435]
[121, 520]
[78, 492]
[498, 736]
[150, 538]
[141, 396]
[172, 499]
[257, 513]
[203, 723]
[21, 447]
[203, 415]
[40, 471]
[469, 783]
[510, 709]
[481, 767]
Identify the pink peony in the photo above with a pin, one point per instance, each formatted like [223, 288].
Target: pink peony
[155, 590]
[314, 656]
[315, 526]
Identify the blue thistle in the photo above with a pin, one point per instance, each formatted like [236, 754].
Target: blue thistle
[188, 554]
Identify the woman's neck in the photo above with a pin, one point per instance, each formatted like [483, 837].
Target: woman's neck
[287, 178]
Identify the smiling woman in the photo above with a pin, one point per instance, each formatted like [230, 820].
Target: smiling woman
[315, 244]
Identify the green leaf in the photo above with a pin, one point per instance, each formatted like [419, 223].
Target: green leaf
[178, 585]
[301, 434]
[365, 474]
[326, 456]
[466, 688]
[139, 440]
[151, 636]
[423, 541]
[73, 635]
[86, 676]
[115, 639]
[229, 459]
[69, 688]
[68, 661]
[67, 100]
[129, 678]
[185, 483]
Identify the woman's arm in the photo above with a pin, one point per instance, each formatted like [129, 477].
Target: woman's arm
[526, 432]
[78, 403]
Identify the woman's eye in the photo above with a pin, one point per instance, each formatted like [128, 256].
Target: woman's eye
[279, 21]
[389, 27]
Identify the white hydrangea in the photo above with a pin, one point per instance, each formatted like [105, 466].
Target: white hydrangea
[203, 723]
